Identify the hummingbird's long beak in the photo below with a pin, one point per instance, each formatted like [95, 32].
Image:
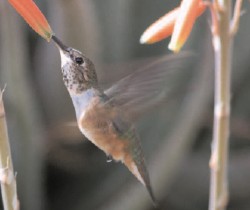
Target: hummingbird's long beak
[59, 43]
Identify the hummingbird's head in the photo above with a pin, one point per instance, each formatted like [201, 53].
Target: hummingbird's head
[78, 71]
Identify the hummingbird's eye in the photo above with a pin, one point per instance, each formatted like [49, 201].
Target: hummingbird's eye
[79, 60]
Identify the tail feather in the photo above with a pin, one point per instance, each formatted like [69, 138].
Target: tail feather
[136, 164]
[141, 167]
[139, 170]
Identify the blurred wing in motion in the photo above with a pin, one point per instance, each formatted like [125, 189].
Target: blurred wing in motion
[148, 86]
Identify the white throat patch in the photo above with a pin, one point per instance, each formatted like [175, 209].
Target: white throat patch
[64, 58]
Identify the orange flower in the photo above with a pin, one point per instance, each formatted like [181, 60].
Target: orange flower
[160, 29]
[178, 22]
[33, 16]
[184, 23]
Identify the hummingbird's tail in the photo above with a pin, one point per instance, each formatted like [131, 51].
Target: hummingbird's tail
[136, 164]
[141, 167]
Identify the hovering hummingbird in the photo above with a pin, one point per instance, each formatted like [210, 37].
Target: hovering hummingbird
[105, 116]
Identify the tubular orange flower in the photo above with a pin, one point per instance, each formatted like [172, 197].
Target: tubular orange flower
[164, 26]
[33, 16]
[160, 29]
[184, 23]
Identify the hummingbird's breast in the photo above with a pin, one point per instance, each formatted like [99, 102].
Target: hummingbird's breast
[97, 123]
[106, 127]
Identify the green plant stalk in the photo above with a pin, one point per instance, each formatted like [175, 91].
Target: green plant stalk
[7, 177]
[222, 42]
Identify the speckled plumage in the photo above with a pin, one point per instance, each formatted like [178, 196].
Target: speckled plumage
[78, 78]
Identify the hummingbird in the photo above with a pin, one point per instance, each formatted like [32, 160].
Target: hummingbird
[105, 117]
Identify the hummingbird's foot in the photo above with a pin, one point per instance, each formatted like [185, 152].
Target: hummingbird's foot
[109, 159]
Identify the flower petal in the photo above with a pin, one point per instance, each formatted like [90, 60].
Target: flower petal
[33, 16]
[189, 11]
[160, 29]
[163, 27]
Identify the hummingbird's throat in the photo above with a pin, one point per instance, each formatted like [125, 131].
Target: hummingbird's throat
[73, 81]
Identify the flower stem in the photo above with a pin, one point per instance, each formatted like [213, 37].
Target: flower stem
[7, 177]
[219, 158]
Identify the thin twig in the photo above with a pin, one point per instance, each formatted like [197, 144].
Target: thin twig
[219, 158]
[7, 177]
[236, 18]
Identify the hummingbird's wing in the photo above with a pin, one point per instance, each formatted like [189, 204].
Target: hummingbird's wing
[148, 86]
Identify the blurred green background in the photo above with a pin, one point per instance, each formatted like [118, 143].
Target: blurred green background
[57, 169]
